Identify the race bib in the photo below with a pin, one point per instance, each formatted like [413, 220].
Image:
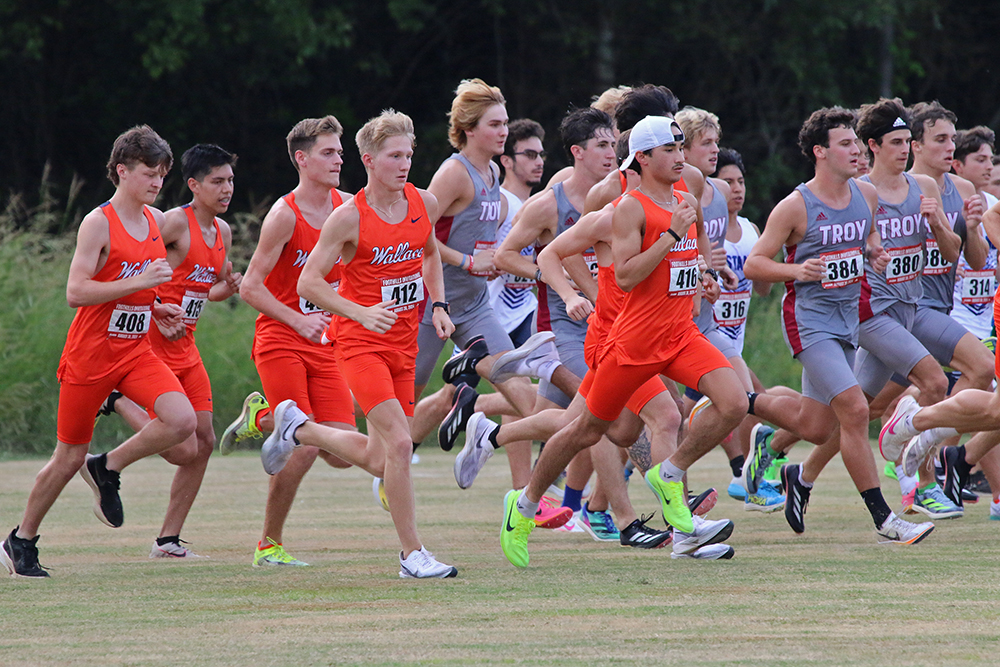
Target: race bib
[936, 264]
[480, 246]
[408, 291]
[731, 308]
[904, 264]
[129, 322]
[591, 259]
[192, 305]
[843, 268]
[978, 286]
[518, 282]
[309, 308]
[683, 277]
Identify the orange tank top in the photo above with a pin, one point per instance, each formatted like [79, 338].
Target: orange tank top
[106, 336]
[656, 314]
[283, 282]
[188, 288]
[387, 265]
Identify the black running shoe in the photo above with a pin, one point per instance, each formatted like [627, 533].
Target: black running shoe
[956, 472]
[638, 534]
[978, 483]
[20, 557]
[703, 503]
[471, 379]
[969, 497]
[796, 497]
[465, 362]
[463, 404]
[105, 484]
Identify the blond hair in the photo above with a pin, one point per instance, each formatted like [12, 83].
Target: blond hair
[389, 123]
[473, 98]
[609, 99]
[306, 131]
[695, 122]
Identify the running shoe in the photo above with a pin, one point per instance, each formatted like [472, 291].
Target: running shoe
[573, 525]
[994, 510]
[421, 564]
[463, 404]
[935, 504]
[704, 502]
[533, 359]
[105, 485]
[895, 434]
[275, 555]
[703, 533]
[915, 453]
[477, 450]
[378, 490]
[736, 490]
[278, 447]
[637, 534]
[969, 497]
[20, 556]
[672, 501]
[245, 425]
[464, 363]
[898, 531]
[696, 411]
[890, 470]
[978, 483]
[767, 499]
[172, 550]
[760, 459]
[552, 516]
[909, 498]
[773, 472]
[710, 552]
[599, 525]
[515, 531]
[797, 497]
[956, 473]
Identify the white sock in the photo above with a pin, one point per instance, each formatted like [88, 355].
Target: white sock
[547, 368]
[802, 481]
[671, 473]
[527, 508]
[939, 435]
[906, 483]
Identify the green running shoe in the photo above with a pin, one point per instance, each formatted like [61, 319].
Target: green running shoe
[274, 555]
[672, 501]
[514, 531]
[773, 472]
[890, 471]
[760, 458]
[245, 425]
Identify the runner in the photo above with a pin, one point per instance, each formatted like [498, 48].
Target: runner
[825, 226]
[118, 263]
[645, 234]
[287, 350]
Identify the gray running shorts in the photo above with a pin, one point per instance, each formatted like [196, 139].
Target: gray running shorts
[479, 322]
[827, 369]
[887, 348]
[570, 335]
[722, 342]
[938, 332]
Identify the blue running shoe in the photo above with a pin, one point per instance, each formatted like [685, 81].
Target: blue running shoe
[599, 525]
[736, 490]
[767, 499]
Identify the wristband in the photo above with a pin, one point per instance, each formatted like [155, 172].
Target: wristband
[538, 276]
[441, 304]
[674, 234]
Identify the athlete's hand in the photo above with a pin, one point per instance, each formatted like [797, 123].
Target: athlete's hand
[729, 278]
[928, 207]
[443, 326]
[159, 272]
[579, 308]
[719, 258]
[168, 313]
[684, 216]
[378, 319]
[711, 287]
[878, 258]
[311, 327]
[233, 280]
[171, 332]
[810, 270]
[482, 262]
[973, 210]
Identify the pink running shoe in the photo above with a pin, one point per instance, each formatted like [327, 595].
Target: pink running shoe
[551, 516]
[908, 501]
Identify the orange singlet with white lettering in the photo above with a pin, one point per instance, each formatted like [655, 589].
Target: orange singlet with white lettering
[188, 288]
[283, 282]
[109, 335]
[388, 265]
[656, 315]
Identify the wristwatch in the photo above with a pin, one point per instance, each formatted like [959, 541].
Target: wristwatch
[712, 272]
[441, 304]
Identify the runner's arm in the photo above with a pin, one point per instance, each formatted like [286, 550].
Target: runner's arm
[632, 263]
[932, 208]
[453, 189]
[976, 247]
[229, 282]
[569, 246]
[434, 278]
[783, 227]
[530, 224]
[991, 223]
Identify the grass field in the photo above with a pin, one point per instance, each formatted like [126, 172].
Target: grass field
[830, 597]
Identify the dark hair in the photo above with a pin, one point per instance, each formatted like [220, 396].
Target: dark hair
[970, 141]
[621, 147]
[580, 125]
[199, 160]
[519, 130]
[647, 100]
[729, 156]
[928, 113]
[139, 144]
[873, 119]
[816, 130]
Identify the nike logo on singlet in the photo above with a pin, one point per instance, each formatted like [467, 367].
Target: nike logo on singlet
[416, 219]
[156, 238]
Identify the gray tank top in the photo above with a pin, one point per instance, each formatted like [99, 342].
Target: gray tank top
[716, 217]
[469, 230]
[904, 234]
[550, 304]
[939, 274]
[820, 310]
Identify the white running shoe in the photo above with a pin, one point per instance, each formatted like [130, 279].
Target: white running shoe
[533, 359]
[172, 550]
[378, 490]
[705, 532]
[898, 531]
[709, 552]
[477, 450]
[915, 452]
[571, 526]
[895, 434]
[421, 564]
[278, 447]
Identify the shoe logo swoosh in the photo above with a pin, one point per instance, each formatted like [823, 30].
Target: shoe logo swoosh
[509, 527]
[284, 433]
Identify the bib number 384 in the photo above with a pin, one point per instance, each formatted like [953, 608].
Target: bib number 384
[408, 291]
[129, 322]
[683, 277]
[843, 268]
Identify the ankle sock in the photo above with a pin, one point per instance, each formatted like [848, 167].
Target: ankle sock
[525, 507]
[572, 498]
[737, 465]
[160, 541]
[671, 473]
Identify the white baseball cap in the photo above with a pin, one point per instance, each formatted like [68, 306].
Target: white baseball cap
[650, 132]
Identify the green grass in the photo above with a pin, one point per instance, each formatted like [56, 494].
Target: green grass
[829, 597]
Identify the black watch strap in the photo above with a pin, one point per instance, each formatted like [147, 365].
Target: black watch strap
[441, 304]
